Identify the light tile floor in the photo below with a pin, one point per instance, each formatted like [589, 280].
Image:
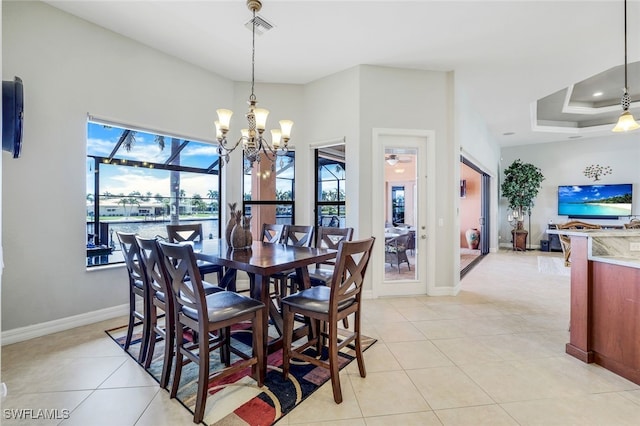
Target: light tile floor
[492, 355]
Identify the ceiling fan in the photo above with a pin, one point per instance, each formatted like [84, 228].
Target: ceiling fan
[393, 159]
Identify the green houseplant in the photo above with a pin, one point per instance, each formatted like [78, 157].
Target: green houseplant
[522, 182]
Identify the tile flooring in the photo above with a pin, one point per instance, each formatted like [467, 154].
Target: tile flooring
[492, 355]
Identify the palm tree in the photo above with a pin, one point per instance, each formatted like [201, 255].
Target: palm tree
[213, 196]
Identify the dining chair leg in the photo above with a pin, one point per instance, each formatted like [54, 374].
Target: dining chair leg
[177, 368]
[153, 337]
[334, 363]
[225, 349]
[287, 335]
[169, 347]
[203, 379]
[358, 343]
[257, 324]
[132, 321]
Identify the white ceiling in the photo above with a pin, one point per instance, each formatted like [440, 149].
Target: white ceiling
[506, 54]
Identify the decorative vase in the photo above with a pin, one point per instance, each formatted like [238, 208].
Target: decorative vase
[473, 238]
[241, 238]
[231, 223]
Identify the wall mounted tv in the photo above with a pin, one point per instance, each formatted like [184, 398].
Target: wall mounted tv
[595, 201]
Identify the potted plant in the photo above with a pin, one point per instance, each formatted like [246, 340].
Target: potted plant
[522, 182]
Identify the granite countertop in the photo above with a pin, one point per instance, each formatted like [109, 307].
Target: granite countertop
[608, 245]
[596, 232]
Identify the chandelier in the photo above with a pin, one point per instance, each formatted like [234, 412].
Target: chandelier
[626, 122]
[253, 142]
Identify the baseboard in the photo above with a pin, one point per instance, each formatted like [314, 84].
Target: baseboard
[37, 330]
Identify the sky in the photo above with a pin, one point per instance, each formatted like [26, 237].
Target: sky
[116, 179]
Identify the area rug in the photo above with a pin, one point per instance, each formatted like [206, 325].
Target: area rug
[238, 400]
[553, 266]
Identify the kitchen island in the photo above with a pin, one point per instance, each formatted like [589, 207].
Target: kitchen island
[605, 299]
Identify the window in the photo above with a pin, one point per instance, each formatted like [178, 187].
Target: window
[269, 191]
[138, 181]
[330, 186]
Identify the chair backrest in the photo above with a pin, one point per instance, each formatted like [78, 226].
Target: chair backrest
[184, 278]
[577, 224]
[184, 232]
[331, 237]
[299, 235]
[348, 276]
[132, 258]
[157, 275]
[402, 242]
[272, 233]
[411, 243]
[633, 224]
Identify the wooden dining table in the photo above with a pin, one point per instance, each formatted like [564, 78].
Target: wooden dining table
[260, 262]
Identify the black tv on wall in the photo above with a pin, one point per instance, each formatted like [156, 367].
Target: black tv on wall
[595, 201]
[12, 115]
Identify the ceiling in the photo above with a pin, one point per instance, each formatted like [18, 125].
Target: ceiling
[514, 61]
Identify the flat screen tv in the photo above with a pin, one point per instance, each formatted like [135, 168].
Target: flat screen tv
[595, 201]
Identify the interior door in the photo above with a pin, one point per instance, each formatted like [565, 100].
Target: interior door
[400, 214]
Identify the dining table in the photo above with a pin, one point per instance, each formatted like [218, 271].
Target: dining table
[260, 261]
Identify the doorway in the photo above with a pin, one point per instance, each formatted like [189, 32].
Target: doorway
[474, 213]
[400, 213]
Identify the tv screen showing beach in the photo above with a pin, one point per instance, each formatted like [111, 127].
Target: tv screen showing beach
[595, 200]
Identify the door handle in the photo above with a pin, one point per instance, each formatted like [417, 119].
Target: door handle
[423, 236]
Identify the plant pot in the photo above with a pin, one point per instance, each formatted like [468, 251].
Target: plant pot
[473, 238]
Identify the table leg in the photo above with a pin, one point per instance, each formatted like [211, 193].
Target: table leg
[229, 279]
[259, 287]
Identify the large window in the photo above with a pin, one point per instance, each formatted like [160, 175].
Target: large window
[269, 191]
[139, 182]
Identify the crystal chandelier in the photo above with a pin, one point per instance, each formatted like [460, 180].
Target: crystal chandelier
[253, 142]
[626, 122]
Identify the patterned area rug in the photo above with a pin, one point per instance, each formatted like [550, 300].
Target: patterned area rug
[237, 400]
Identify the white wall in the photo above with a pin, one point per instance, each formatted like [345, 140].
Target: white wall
[393, 98]
[69, 68]
[332, 107]
[477, 145]
[563, 163]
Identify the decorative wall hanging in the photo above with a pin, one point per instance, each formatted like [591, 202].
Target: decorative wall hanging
[597, 171]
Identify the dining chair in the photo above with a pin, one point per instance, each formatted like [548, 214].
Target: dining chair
[295, 235]
[329, 305]
[160, 298]
[137, 289]
[565, 240]
[328, 237]
[212, 317]
[193, 232]
[633, 224]
[273, 233]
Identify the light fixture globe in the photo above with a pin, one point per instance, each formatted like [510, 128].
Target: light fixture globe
[626, 123]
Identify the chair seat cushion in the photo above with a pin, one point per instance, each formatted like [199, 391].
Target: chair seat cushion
[208, 267]
[319, 276]
[224, 305]
[314, 299]
[161, 296]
